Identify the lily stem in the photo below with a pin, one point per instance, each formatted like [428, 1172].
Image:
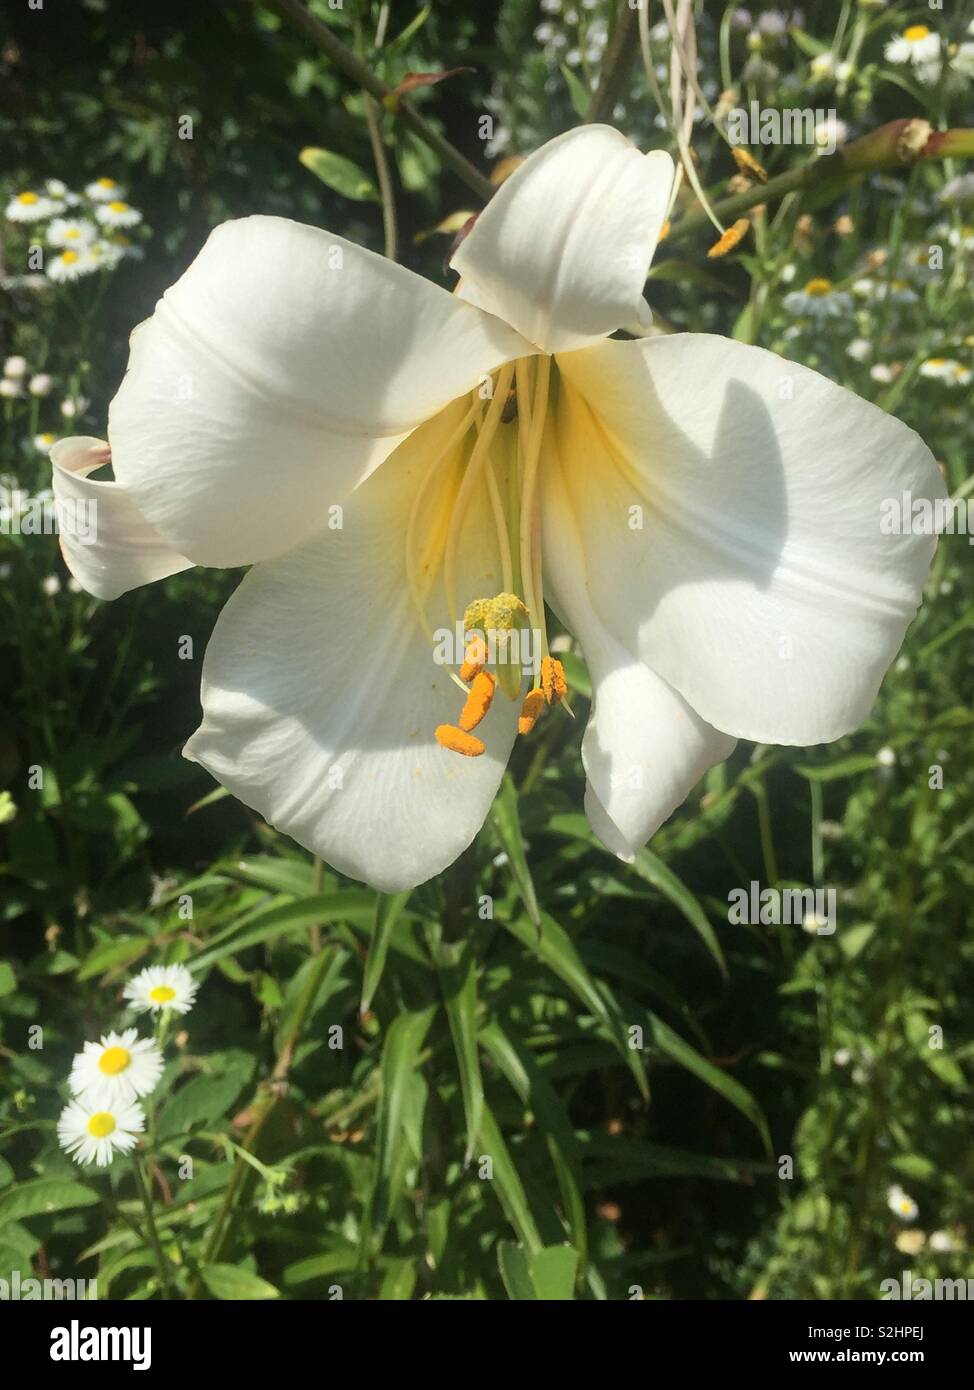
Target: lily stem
[325, 41]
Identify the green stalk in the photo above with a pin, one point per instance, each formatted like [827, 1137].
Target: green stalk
[295, 14]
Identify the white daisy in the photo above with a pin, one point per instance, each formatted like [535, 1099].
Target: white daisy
[959, 189]
[94, 1133]
[75, 232]
[71, 265]
[73, 406]
[938, 368]
[118, 1069]
[103, 255]
[9, 388]
[40, 384]
[962, 238]
[103, 190]
[942, 1241]
[31, 207]
[61, 193]
[43, 442]
[50, 585]
[818, 299]
[963, 60]
[162, 987]
[901, 1204]
[919, 46]
[118, 213]
[15, 367]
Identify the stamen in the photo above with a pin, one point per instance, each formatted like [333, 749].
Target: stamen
[458, 742]
[534, 703]
[539, 408]
[471, 476]
[475, 658]
[418, 500]
[553, 681]
[478, 701]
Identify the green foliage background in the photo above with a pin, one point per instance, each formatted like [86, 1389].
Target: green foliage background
[618, 1172]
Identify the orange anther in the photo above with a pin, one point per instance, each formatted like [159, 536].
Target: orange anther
[458, 742]
[553, 681]
[476, 656]
[731, 238]
[478, 701]
[534, 703]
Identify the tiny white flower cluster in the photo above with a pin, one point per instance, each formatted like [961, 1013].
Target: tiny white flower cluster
[110, 1077]
[17, 382]
[86, 230]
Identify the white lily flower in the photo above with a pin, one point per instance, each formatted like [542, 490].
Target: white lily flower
[391, 459]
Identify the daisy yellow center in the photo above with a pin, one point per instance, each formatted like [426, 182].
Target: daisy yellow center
[162, 994]
[28, 199]
[101, 1125]
[117, 206]
[69, 257]
[47, 438]
[916, 33]
[71, 234]
[106, 183]
[905, 1206]
[478, 500]
[114, 1060]
[936, 361]
[816, 289]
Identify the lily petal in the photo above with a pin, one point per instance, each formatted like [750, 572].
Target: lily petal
[733, 528]
[106, 542]
[321, 695]
[276, 374]
[644, 748]
[562, 249]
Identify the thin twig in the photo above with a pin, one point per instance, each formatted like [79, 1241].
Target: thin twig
[323, 39]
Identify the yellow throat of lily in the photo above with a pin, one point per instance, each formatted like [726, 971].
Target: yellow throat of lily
[499, 442]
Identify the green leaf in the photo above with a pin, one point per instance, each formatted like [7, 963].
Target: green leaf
[515, 1268]
[388, 907]
[42, 1196]
[403, 1044]
[284, 919]
[553, 1272]
[580, 96]
[8, 980]
[680, 1051]
[538, 1095]
[556, 950]
[340, 174]
[458, 976]
[845, 767]
[110, 955]
[205, 1098]
[232, 1283]
[507, 824]
[506, 1182]
[652, 870]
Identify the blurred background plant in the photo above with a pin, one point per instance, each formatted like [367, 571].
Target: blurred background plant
[547, 1073]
